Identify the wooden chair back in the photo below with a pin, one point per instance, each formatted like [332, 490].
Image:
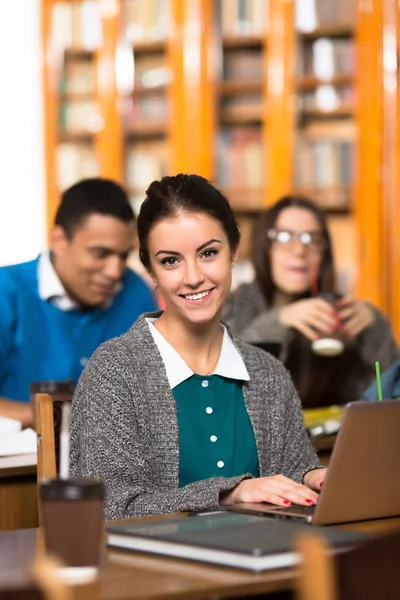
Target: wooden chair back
[44, 583]
[366, 572]
[48, 424]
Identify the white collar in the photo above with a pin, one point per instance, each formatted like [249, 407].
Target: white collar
[50, 287]
[52, 290]
[230, 363]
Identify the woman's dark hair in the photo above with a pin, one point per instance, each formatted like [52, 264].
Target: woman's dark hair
[262, 246]
[171, 196]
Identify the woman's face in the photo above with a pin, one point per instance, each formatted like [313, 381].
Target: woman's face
[295, 266]
[191, 264]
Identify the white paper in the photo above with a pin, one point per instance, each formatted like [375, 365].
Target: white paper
[9, 426]
[21, 442]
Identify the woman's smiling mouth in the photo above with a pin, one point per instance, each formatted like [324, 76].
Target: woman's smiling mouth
[198, 297]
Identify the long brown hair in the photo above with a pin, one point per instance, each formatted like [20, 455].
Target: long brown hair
[261, 250]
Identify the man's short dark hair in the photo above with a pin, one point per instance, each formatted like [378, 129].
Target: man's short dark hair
[92, 196]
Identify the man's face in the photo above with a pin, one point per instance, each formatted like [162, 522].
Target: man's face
[91, 263]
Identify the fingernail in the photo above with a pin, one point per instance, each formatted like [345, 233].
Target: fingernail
[286, 502]
[321, 484]
[309, 501]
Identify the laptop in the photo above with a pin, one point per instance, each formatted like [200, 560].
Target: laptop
[363, 478]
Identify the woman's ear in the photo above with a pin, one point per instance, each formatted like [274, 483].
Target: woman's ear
[235, 255]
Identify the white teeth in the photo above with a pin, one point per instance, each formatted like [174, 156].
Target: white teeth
[197, 296]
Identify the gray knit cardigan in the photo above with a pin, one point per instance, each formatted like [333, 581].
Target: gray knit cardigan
[124, 427]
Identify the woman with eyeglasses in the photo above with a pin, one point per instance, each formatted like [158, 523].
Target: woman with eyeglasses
[293, 263]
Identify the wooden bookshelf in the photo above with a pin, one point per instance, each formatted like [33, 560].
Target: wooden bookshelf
[233, 91]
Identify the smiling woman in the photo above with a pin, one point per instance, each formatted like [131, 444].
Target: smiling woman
[178, 414]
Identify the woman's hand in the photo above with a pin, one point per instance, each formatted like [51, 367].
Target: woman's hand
[310, 315]
[355, 317]
[315, 479]
[278, 489]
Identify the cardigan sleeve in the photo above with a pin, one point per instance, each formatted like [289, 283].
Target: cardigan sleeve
[109, 442]
[248, 316]
[299, 456]
[377, 342]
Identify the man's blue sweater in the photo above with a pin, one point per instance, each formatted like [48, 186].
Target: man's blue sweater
[40, 342]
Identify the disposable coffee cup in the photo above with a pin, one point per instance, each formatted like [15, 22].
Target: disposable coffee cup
[329, 344]
[72, 512]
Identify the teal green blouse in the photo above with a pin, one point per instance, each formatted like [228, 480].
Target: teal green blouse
[216, 438]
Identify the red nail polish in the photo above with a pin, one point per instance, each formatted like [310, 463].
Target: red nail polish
[308, 501]
[321, 484]
[286, 502]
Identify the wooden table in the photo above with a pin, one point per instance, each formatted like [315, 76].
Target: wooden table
[132, 575]
[18, 500]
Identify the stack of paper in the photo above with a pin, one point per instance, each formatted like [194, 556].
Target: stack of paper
[14, 440]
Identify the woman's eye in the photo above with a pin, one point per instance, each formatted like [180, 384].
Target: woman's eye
[170, 261]
[210, 252]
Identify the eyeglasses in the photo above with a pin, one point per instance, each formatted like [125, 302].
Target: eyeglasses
[310, 239]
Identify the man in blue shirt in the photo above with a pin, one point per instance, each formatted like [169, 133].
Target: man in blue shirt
[57, 309]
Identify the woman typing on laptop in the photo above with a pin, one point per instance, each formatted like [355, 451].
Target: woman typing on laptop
[178, 414]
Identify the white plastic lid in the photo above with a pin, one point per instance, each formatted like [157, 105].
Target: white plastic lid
[327, 347]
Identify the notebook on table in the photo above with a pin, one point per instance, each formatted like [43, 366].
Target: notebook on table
[235, 540]
[363, 478]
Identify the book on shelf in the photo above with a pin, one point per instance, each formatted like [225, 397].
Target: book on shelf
[79, 116]
[323, 164]
[76, 25]
[326, 58]
[242, 64]
[241, 107]
[243, 17]
[312, 14]
[235, 540]
[75, 162]
[78, 77]
[240, 157]
[327, 99]
[145, 162]
[147, 20]
[151, 70]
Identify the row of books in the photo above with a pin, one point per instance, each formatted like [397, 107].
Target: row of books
[243, 17]
[146, 20]
[146, 110]
[325, 58]
[240, 157]
[311, 14]
[243, 65]
[75, 162]
[79, 117]
[78, 77]
[327, 98]
[323, 163]
[241, 108]
[145, 162]
[76, 25]
[150, 70]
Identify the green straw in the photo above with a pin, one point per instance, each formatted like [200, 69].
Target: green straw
[378, 379]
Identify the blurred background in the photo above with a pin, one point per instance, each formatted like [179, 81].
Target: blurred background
[263, 97]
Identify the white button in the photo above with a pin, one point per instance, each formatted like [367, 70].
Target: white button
[213, 438]
[84, 361]
[220, 464]
[209, 410]
[204, 383]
